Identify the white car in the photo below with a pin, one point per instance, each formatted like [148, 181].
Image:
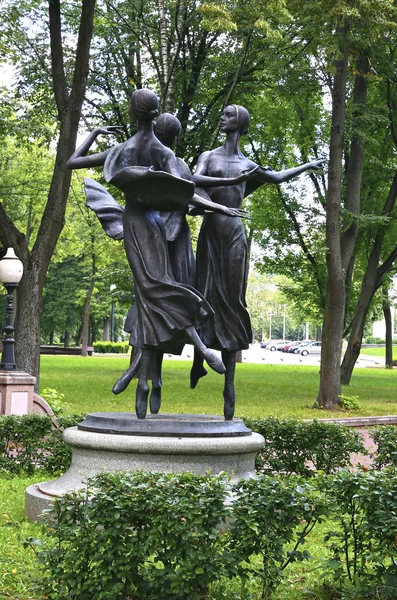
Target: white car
[275, 345]
[312, 349]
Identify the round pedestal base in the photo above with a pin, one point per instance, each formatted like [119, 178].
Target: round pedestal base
[94, 452]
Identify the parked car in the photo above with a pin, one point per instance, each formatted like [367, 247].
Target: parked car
[281, 345]
[312, 349]
[268, 343]
[288, 346]
[298, 346]
[274, 345]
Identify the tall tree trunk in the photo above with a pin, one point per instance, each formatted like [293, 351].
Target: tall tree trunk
[331, 351]
[371, 282]
[354, 172]
[28, 318]
[353, 349]
[163, 51]
[389, 328]
[66, 342]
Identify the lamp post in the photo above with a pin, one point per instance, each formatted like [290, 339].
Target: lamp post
[112, 288]
[11, 270]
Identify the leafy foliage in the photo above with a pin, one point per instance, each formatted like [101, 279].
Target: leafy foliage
[363, 543]
[303, 447]
[162, 532]
[112, 347]
[386, 440]
[32, 442]
[272, 518]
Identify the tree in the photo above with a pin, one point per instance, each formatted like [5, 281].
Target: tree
[69, 96]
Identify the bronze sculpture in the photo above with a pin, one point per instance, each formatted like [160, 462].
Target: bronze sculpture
[222, 248]
[146, 171]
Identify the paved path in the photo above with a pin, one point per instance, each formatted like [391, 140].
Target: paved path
[256, 354]
[359, 459]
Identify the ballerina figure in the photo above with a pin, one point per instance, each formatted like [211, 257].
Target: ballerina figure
[221, 259]
[168, 312]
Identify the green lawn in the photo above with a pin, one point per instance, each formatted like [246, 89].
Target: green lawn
[262, 390]
[379, 352]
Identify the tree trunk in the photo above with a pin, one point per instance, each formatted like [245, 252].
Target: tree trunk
[52, 337]
[163, 50]
[331, 350]
[389, 329]
[357, 329]
[27, 322]
[28, 319]
[66, 342]
[371, 282]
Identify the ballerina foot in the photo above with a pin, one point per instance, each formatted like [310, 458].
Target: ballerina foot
[155, 400]
[195, 375]
[229, 398]
[122, 382]
[214, 362]
[142, 394]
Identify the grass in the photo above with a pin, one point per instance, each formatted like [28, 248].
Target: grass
[262, 390]
[379, 352]
[18, 566]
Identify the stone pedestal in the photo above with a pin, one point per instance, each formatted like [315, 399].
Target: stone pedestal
[94, 452]
[17, 395]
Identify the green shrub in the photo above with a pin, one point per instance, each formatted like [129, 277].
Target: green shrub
[111, 347]
[349, 402]
[153, 536]
[56, 400]
[302, 447]
[21, 442]
[32, 442]
[373, 340]
[363, 542]
[137, 535]
[271, 519]
[386, 439]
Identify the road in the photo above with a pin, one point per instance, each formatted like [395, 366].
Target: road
[256, 354]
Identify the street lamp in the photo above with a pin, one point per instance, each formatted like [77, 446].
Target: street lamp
[11, 271]
[112, 288]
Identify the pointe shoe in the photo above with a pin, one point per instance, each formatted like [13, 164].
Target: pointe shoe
[229, 398]
[142, 394]
[123, 382]
[214, 362]
[155, 401]
[195, 375]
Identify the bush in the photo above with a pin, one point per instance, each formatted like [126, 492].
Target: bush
[373, 340]
[56, 400]
[272, 518]
[302, 447]
[32, 442]
[137, 535]
[111, 347]
[152, 536]
[386, 439]
[363, 542]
